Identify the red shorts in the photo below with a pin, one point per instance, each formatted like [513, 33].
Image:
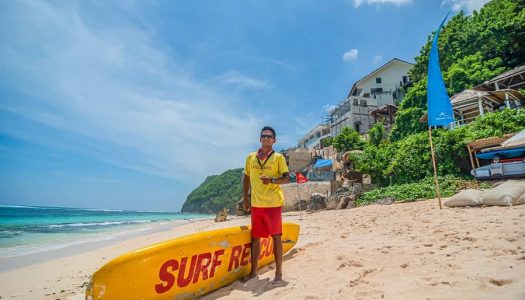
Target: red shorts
[266, 221]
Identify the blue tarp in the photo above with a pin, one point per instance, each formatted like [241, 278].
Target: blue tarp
[322, 163]
[502, 153]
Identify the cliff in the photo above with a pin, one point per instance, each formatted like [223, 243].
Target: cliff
[215, 193]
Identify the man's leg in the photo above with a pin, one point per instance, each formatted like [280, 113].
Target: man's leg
[256, 250]
[278, 254]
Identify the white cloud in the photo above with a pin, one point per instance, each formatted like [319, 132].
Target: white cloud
[377, 59]
[241, 81]
[350, 55]
[329, 107]
[358, 3]
[117, 97]
[467, 5]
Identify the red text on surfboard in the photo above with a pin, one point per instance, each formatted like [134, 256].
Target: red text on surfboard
[189, 270]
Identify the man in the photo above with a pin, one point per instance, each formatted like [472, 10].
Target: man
[264, 171]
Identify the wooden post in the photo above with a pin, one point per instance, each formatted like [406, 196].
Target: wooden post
[434, 164]
[471, 159]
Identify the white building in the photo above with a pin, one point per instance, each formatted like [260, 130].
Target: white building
[312, 139]
[380, 87]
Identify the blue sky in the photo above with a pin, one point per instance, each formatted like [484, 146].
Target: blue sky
[131, 104]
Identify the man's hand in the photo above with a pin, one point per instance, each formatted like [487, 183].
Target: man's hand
[247, 207]
[266, 179]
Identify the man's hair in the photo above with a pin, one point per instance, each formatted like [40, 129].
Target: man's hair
[269, 128]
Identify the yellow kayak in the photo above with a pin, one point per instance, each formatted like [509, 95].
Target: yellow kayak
[185, 267]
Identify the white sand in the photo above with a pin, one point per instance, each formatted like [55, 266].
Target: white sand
[401, 251]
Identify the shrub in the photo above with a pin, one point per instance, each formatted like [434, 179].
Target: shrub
[423, 189]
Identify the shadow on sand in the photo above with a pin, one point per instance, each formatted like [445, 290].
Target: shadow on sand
[256, 286]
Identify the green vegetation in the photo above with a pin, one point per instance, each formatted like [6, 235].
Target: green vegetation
[423, 189]
[377, 134]
[327, 142]
[348, 139]
[472, 49]
[215, 193]
[409, 159]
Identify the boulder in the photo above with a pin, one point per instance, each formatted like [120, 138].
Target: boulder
[351, 204]
[332, 202]
[386, 201]
[240, 208]
[296, 207]
[317, 202]
[222, 215]
[343, 201]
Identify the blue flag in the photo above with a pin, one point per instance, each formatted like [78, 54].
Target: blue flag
[439, 106]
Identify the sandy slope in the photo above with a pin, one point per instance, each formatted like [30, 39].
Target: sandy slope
[401, 251]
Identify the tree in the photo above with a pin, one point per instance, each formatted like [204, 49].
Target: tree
[377, 134]
[408, 159]
[472, 49]
[327, 141]
[407, 123]
[215, 193]
[348, 139]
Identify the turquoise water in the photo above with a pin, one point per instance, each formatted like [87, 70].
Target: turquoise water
[30, 229]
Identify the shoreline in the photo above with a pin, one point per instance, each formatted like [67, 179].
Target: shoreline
[401, 251]
[8, 263]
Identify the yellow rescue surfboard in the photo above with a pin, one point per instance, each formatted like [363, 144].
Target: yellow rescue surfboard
[185, 267]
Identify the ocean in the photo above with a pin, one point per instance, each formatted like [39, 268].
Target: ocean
[32, 229]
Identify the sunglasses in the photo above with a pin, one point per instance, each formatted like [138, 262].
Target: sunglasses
[267, 136]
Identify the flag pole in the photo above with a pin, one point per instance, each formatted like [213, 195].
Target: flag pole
[435, 167]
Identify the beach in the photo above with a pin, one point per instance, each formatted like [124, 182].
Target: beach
[400, 251]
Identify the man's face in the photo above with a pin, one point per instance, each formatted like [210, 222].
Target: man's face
[267, 138]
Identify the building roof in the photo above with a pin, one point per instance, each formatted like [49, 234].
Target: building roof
[375, 71]
[316, 128]
[512, 79]
[489, 142]
[498, 97]
[383, 109]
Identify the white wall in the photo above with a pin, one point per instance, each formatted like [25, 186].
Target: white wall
[391, 76]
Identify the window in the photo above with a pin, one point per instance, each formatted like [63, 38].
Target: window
[355, 102]
[357, 126]
[378, 79]
[366, 95]
[405, 79]
[376, 90]
[357, 92]
[363, 103]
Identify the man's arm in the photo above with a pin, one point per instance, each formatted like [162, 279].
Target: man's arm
[245, 190]
[283, 179]
[276, 180]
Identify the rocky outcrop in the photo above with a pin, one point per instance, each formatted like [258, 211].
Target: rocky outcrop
[386, 201]
[240, 208]
[222, 215]
[343, 198]
[317, 202]
[299, 206]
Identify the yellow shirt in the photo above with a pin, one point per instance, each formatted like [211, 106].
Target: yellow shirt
[265, 195]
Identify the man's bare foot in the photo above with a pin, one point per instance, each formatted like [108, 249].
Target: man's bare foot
[248, 277]
[277, 281]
